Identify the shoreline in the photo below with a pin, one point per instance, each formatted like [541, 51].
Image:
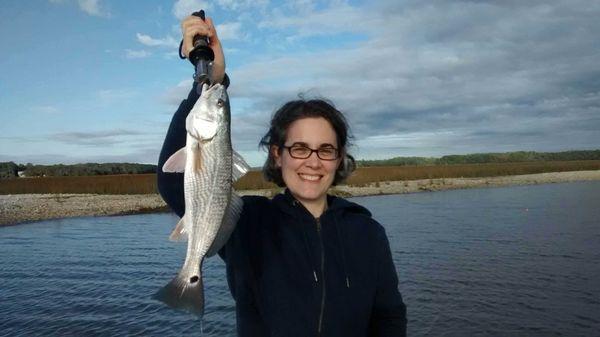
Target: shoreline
[23, 208]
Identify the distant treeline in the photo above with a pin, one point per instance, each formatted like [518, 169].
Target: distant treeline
[10, 169]
[486, 158]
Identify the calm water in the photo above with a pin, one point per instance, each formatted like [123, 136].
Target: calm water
[518, 261]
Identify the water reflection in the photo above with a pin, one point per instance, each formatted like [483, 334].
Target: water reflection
[504, 261]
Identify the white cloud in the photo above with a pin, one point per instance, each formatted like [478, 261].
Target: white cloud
[302, 6]
[174, 96]
[230, 31]
[146, 153]
[171, 55]
[46, 109]
[136, 54]
[330, 21]
[147, 40]
[229, 51]
[93, 138]
[93, 7]
[183, 8]
[471, 82]
[238, 5]
[112, 95]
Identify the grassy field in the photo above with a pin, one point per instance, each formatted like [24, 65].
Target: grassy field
[146, 183]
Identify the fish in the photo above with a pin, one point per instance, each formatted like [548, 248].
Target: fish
[212, 208]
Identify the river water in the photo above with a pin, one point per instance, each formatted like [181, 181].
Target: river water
[514, 261]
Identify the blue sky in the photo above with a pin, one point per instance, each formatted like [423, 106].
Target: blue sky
[98, 80]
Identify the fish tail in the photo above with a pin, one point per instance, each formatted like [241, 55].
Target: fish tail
[184, 292]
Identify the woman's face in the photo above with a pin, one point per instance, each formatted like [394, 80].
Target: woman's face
[308, 179]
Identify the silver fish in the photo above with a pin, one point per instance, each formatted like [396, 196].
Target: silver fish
[212, 208]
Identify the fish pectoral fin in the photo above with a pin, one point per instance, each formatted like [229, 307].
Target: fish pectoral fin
[176, 162]
[240, 167]
[179, 233]
[230, 219]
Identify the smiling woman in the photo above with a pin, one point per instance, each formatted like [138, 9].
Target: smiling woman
[308, 178]
[299, 126]
[304, 263]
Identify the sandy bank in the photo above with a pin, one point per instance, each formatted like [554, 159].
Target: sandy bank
[399, 187]
[33, 207]
[19, 208]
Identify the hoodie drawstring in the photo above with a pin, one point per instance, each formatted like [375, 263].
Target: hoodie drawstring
[296, 203]
[308, 251]
[342, 251]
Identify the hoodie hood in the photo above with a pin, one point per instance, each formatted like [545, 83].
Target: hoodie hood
[288, 204]
[340, 204]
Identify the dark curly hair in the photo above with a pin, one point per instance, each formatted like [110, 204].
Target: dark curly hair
[298, 109]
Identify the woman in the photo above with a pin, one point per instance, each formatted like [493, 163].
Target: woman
[304, 263]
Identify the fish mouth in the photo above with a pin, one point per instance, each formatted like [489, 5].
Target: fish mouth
[310, 177]
[210, 86]
[216, 90]
[214, 87]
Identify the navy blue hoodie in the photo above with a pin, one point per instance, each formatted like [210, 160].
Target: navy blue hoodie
[293, 275]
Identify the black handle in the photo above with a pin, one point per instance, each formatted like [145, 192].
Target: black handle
[200, 40]
[201, 56]
[199, 14]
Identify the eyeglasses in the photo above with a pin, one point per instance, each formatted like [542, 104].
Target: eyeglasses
[303, 152]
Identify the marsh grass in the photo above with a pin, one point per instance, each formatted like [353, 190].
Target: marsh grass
[367, 175]
[253, 180]
[107, 184]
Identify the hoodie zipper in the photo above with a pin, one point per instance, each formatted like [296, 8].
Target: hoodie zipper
[322, 277]
[318, 224]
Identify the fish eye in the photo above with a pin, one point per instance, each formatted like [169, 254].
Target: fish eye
[220, 102]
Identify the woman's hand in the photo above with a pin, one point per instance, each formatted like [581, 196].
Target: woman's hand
[192, 26]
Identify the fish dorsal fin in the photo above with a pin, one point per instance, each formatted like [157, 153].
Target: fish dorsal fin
[230, 219]
[179, 233]
[176, 162]
[240, 167]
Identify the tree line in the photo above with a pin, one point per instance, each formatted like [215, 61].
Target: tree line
[486, 158]
[11, 169]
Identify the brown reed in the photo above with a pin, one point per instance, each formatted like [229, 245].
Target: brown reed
[253, 180]
[105, 184]
[366, 175]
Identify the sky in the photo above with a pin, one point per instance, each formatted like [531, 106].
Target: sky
[99, 80]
